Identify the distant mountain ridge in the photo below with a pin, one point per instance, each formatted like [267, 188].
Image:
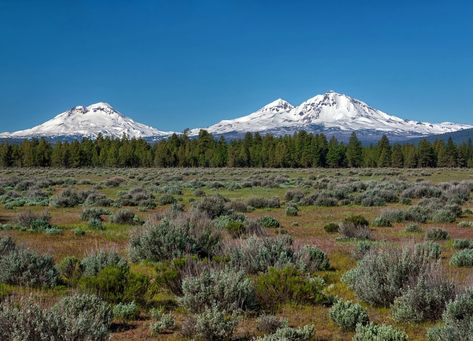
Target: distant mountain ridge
[331, 113]
[90, 121]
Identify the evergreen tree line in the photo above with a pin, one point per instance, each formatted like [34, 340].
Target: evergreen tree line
[254, 150]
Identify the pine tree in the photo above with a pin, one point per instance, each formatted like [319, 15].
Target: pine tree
[384, 152]
[397, 157]
[354, 151]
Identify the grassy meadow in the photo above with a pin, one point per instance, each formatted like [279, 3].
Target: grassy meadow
[72, 214]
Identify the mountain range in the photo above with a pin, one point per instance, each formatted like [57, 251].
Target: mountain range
[331, 113]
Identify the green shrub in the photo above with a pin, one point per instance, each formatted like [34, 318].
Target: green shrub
[92, 264]
[227, 290]
[281, 285]
[70, 270]
[213, 206]
[463, 258]
[310, 258]
[78, 231]
[443, 216]
[93, 213]
[33, 221]
[25, 267]
[378, 332]
[95, 224]
[347, 315]
[331, 228]
[167, 199]
[255, 254]
[383, 275]
[126, 311]
[304, 333]
[461, 244]
[465, 224]
[78, 317]
[165, 324]
[362, 247]
[437, 234]
[382, 222]
[115, 285]
[426, 300]
[124, 217]
[355, 227]
[213, 324]
[175, 237]
[457, 320]
[269, 222]
[264, 202]
[412, 228]
[292, 211]
[7, 245]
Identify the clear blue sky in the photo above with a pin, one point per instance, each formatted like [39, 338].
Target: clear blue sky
[178, 64]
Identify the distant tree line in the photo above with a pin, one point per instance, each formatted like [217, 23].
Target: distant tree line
[254, 150]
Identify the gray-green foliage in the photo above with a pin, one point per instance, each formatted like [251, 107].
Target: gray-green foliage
[24, 267]
[426, 300]
[382, 275]
[78, 317]
[457, 320]
[227, 290]
[92, 264]
[347, 314]
[378, 332]
[213, 324]
[310, 258]
[463, 258]
[175, 236]
[126, 311]
[165, 323]
[304, 333]
[255, 254]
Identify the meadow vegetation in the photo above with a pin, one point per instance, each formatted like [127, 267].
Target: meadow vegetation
[236, 254]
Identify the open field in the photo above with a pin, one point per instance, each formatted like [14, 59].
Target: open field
[232, 205]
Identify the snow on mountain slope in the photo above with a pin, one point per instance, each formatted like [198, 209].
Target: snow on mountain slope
[330, 111]
[89, 122]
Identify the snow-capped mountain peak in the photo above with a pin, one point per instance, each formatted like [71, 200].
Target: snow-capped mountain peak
[89, 121]
[333, 112]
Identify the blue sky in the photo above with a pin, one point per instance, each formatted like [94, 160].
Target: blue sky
[178, 64]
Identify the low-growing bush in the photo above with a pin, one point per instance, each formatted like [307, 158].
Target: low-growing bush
[165, 324]
[465, 224]
[225, 289]
[412, 228]
[288, 284]
[93, 213]
[269, 222]
[124, 217]
[426, 300]
[310, 258]
[355, 227]
[78, 317]
[167, 199]
[378, 332]
[457, 320]
[116, 285]
[304, 333]
[264, 202]
[292, 211]
[347, 315]
[126, 311]
[213, 206]
[462, 258]
[92, 264]
[382, 275]
[213, 324]
[25, 267]
[70, 270]
[461, 244]
[255, 254]
[33, 221]
[437, 234]
[331, 228]
[182, 235]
